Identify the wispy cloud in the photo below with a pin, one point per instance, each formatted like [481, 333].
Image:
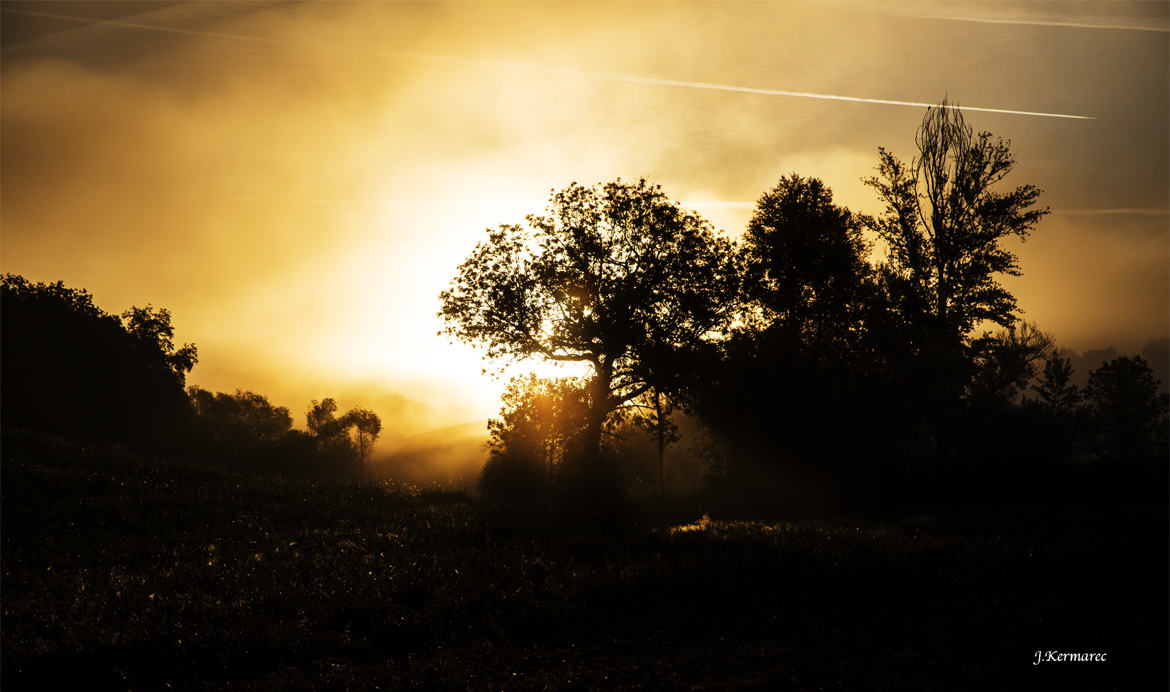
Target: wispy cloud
[556, 71]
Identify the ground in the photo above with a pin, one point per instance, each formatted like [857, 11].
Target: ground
[121, 571]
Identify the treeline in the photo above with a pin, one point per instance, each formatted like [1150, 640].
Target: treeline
[835, 360]
[71, 369]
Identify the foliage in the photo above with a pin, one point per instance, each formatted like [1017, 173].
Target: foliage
[320, 420]
[1005, 362]
[1055, 387]
[247, 431]
[152, 328]
[944, 224]
[1129, 411]
[541, 419]
[616, 277]
[332, 434]
[804, 263]
[70, 367]
[540, 425]
[366, 425]
[240, 417]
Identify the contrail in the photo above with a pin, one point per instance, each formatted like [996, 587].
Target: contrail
[1114, 212]
[1040, 22]
[555, 71]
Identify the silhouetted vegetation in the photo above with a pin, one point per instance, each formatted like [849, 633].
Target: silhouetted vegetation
[828, 377]
[72, 369]
[1128, 412]
[615, 277]
[835, 373]
[69, 367]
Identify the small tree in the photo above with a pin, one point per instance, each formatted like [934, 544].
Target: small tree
[320, 419]
[366, 426]
[616, 277]
[330, 433]
[1055, 386]
[665, 432]
[540, 425]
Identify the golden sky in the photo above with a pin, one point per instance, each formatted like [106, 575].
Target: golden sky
[296, 182]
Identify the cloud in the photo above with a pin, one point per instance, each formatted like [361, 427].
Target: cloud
[299, 201]
[556, 71]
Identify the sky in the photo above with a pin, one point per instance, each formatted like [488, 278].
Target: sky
[297, 182]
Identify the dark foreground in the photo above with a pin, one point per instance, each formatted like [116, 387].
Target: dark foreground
[123, 573]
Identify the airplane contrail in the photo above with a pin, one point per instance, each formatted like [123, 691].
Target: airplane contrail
[1041, 22]
[1114, 212]
[555, 71]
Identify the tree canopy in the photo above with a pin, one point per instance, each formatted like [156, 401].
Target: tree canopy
[332, 434]
[944, 223]
[805, 262]
[615, 276]
[1129, 411]
[70, 367]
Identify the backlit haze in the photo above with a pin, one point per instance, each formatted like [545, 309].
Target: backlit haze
[297, 182]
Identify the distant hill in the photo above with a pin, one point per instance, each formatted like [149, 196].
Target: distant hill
[452, 454]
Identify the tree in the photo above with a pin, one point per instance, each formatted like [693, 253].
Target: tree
[615, 276]
[240, 417]
[69, 367]
[1006, 361]
[320, 419]
[804, 263]
[366, 426]
[1130, 413]
[330, 433]
[1055, 387]
[540, 424]
[152, 328]
[944, 223]
[662, 427]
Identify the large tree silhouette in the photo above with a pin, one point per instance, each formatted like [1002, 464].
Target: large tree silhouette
[944, 222]
[805, 263]
[943, 226]
[70, 367]
[615, 276]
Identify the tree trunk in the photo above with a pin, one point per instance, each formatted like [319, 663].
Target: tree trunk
[599, 408]
[661, 443]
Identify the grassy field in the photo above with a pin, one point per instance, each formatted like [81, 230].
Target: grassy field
[129, 573]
